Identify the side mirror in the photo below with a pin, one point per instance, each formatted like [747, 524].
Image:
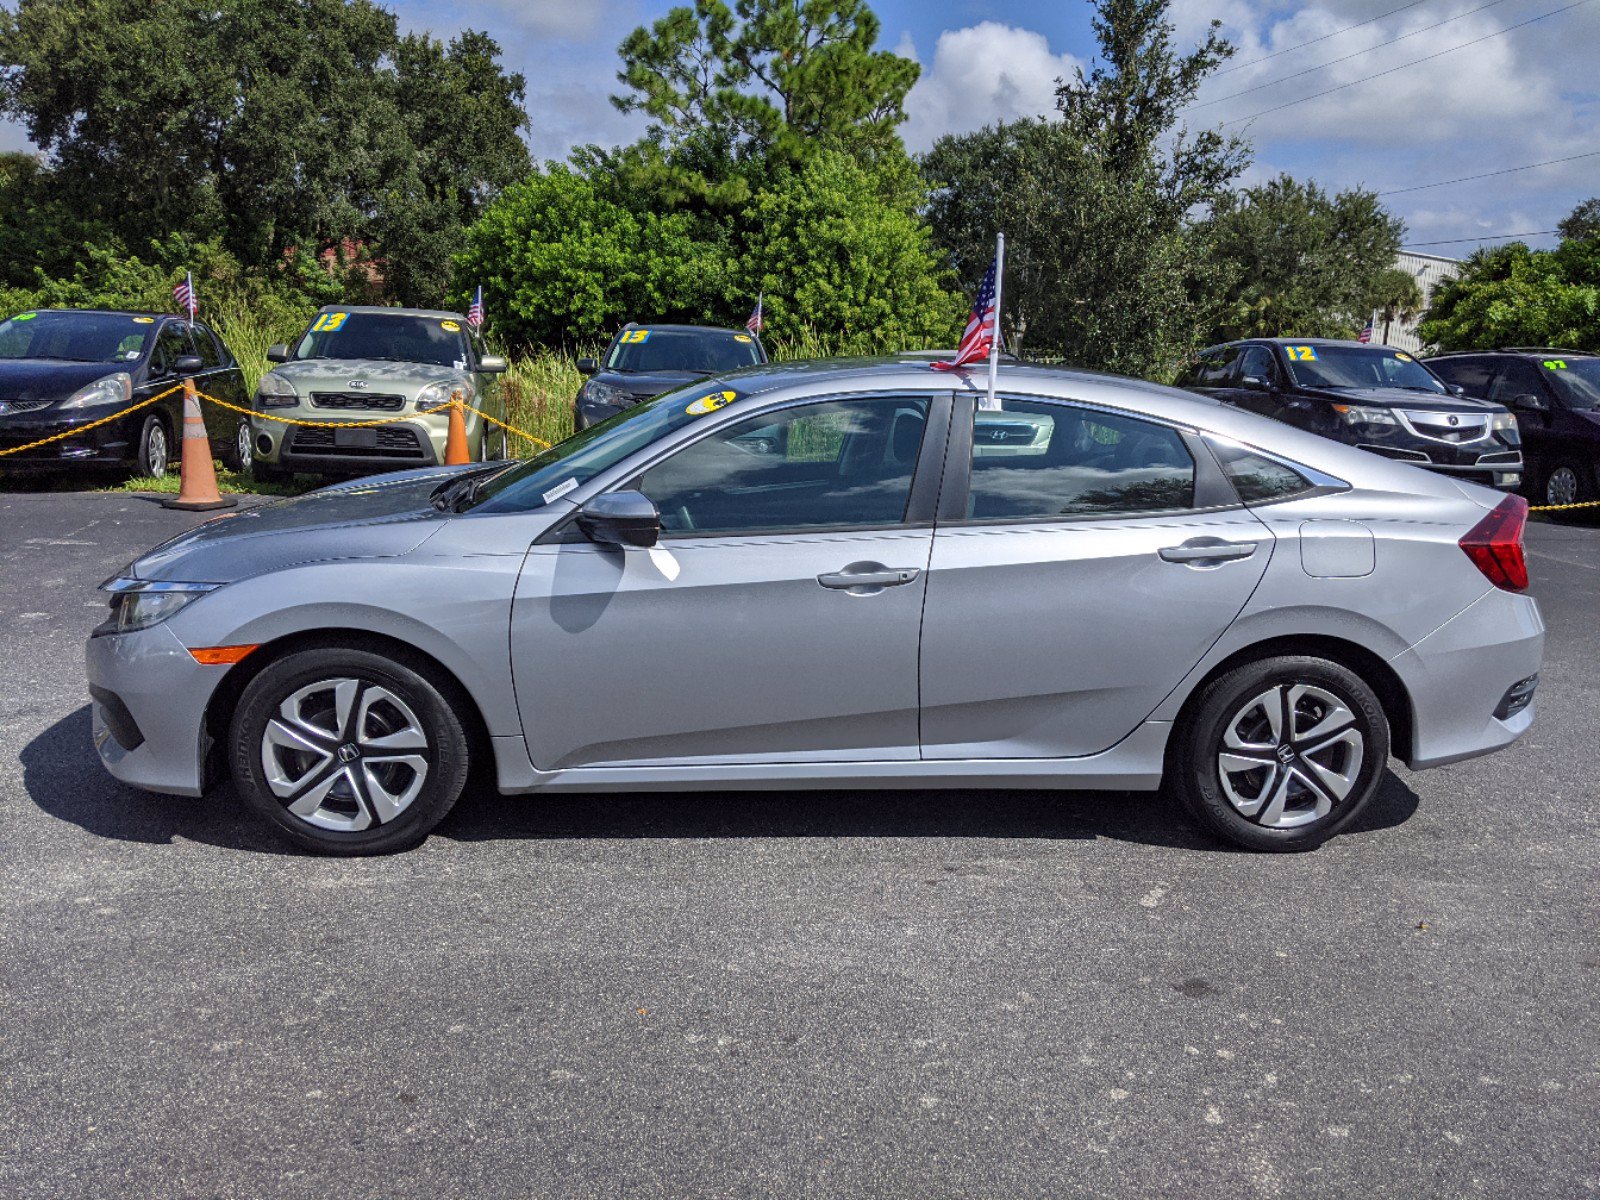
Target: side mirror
[1256, 383]
[1529, 402]
[493, 364]
[621, 519]
[588, 366]
[188, 364]
[1456, 389]
[278, 353]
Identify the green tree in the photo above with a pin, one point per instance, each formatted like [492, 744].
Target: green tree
[1398, 299]
[1513, 296]
[1104, 264]
[1303, 263]
[1582, 222]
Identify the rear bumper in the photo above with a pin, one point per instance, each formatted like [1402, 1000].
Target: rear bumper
[1460, 673]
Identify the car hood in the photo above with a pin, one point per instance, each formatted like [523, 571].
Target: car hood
[645, 384]
[1400, 398]
[379, 376]
[48, 378]
[378, 517]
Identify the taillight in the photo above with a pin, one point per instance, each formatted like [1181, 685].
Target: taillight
[1495, 545]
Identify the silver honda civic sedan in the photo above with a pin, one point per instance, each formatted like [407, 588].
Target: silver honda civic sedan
[837, 575]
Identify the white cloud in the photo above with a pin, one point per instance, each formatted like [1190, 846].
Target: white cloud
[982, 74]
[13, 137]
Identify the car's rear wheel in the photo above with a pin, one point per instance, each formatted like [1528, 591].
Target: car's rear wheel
[153, 455]
[348, 752]
[1281, 754]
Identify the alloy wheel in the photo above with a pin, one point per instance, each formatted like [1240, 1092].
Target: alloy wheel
[1561, 486]
[244, 448]
[345, 754]
[155, 451]
[1290, 755]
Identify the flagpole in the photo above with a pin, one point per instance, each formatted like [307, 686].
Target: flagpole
[990, 404]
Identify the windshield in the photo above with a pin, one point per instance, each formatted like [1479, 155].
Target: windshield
[1359, 367]
[1579, 379]
[708, 351]
[76, 336]
[551, 475]
[397, 337]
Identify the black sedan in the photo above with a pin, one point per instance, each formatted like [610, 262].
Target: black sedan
[63, 370]
[647, 360]
[1374, 397]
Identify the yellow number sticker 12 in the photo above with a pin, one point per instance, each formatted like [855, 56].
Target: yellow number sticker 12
[329, 322]
[1302, 353]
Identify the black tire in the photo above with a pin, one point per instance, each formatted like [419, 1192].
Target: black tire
[241, 455]
[264, 472]
[387, 806]
[1316, 769]
[1566, 481]
[152, 455]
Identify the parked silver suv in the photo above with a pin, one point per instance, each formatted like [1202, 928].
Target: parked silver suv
[820, 576]
[355, 365]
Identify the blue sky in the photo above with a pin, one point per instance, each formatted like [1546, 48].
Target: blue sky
[1524, 96]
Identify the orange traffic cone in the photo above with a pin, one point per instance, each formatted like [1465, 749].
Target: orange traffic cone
[455, 442]
[197, 477]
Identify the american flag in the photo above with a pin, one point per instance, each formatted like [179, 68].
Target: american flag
[754, 324]
[1366, 334]
[183, 293]
[978, 339]
[475, 313]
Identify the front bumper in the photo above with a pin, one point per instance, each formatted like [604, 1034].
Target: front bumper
[1490, 462]
[1463, 672]
[147, 690]
[112, 444]
[327, 446]
[588, 413]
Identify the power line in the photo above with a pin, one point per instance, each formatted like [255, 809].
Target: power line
[1488, 174]
[1495, 237]
[1404, 66]
[1315, 40]
[1336, 61]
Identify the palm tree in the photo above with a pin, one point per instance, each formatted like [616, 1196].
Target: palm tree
[1397, 297]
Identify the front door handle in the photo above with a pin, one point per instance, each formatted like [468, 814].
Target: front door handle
[865, 579]
[1208, 550]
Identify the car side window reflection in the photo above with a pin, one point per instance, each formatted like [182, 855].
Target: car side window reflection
[1034, 459]
[837, 464]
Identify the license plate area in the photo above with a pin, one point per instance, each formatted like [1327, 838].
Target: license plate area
[355, 439]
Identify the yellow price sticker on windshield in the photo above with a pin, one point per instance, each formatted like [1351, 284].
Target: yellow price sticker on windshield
[710, 403]
[450, 326]
[1301, 353]
[634, 337]
[1402, 356]
[329, 322]
[1550, 364]
[741, 337]
[144, 320]
[24, 316]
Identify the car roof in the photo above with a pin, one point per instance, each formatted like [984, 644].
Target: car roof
[1296, 341]
[389, 310]
[116, 312]
[670, 327]
[1527, 351]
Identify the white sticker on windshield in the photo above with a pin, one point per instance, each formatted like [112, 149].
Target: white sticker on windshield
[560, 490]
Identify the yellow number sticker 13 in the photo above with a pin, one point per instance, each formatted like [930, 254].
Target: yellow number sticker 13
[1302, 353]
[329, 322]
[632, 337]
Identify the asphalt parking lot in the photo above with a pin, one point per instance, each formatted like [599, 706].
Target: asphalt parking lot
[852, 993]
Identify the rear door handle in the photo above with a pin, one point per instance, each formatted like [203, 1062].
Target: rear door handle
[865, 578]
[1203, 550]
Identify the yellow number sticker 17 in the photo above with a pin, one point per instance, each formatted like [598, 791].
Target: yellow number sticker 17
[1302, 353]
[633, 337]
[329, 322]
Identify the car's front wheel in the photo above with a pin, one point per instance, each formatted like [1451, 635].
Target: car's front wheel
[244, 447]
[347, 751]
[1281, 754]
[153, 455]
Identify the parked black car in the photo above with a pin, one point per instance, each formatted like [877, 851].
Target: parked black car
[61, 369]
[1374, 397]
[646, 360]
[1555, 395]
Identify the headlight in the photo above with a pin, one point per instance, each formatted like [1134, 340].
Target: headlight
[139, 603]
[596, 392]
[1503, 423]
[437, 394]
[116, 388]
[1356, 414]
[274, 391]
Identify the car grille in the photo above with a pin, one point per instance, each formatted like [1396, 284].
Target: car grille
[1454, 428]
[357, 400]
[393, 442]
[22, 406]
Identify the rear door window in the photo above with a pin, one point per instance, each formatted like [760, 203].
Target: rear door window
[1037, 459]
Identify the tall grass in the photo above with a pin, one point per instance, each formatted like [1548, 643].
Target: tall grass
[540, 389]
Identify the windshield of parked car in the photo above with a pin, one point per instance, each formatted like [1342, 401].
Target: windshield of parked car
[394, 337]
[549, 476]
[1578, 379]
[708, 351]
[1359, 367]
[75, 336]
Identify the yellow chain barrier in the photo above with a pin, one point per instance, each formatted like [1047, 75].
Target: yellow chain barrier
[265, 416]
[1563, 507]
